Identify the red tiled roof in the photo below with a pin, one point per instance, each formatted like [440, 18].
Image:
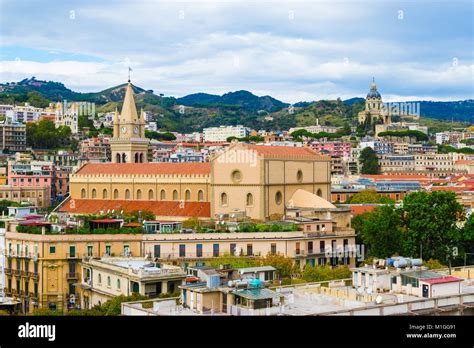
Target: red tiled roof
[360, 209]
[146, 168]
[283, 150]
[159, 208]
[441, 280]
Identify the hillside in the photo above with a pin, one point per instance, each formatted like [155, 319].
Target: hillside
[196, 111]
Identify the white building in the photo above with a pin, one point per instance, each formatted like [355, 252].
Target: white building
[220, 134]
[22, 114]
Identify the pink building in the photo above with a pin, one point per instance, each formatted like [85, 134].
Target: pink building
[31, 173]
[333, 148]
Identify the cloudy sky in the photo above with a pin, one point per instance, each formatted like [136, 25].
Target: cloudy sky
[294, 51]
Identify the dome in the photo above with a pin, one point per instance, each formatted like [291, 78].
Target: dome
[374, 94]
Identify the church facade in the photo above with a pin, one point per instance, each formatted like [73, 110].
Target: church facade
[251, 180]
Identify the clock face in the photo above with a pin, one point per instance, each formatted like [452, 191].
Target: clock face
[124, 129]
[135, 130]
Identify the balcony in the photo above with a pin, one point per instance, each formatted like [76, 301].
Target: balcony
[197, 256]
[71, 276]
[73, 256]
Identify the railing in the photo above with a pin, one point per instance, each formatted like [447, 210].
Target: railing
[193, 255]
[71, 275]
[72, 256]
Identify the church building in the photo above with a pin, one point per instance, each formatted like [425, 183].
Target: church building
[374, 112]
[253, 180]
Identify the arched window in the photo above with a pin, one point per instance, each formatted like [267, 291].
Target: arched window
[175, 195]
[127, 194]
[200, 196]
[151, 195]
[116, 194]
[118, 284]
[249, 199]
[105, 195]
[299, 176]
[117, 158]
[124, 158]
[139, 194]
[319, 193]
[83, 193]
[278, 197]
[141, 158]
[137, 157]
[163, 195]
[94, 193]
[223, 198]
[187, 195]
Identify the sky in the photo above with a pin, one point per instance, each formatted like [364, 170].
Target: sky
[291, 50]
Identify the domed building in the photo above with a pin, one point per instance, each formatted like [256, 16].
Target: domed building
[374, 110]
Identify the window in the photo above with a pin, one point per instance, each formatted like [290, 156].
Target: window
[299, 176]
[151, 195]
[108, 250]
[310, 247]
[199, 250]
[52, 249]
[163, 195]
[139, 194]
[273, 248]
[215, 250]
[187, 195]
[175, 195]
[99, 278]
[83, 193]
[278, 198]
[249, 250]
[322, 246]
[116, 194]
[223, 198]
[233, 249]
[72, 251]
[298, 250]
[182, 250]
[249, 200]
[200, 196]
[105, 194]
[157, 250]
[236, 176]
[89, 250]
[127, 194]
[118, 284]
[94, 193]
[320, 193]
[108, 281]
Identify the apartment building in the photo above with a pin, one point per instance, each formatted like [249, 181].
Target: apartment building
[13, 136]
[220, 134]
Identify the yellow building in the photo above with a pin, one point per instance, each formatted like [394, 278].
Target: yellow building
[42, 270]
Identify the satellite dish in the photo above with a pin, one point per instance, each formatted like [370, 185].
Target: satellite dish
[378, 299]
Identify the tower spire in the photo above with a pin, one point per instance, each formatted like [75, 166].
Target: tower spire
[129, 70]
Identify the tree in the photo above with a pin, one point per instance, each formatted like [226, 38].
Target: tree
[380, 230]
[284, 265]
[431, 221]
[370, 163]
[45, 135]
[370, 196]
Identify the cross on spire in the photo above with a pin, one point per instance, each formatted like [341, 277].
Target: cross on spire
[129, 70]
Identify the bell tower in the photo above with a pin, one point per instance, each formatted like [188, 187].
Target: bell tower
[129, 144]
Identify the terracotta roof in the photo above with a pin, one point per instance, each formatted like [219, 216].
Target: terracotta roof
[360, 209]
[159, 208]
[284, 151]
[441, 280]
[146, 168]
